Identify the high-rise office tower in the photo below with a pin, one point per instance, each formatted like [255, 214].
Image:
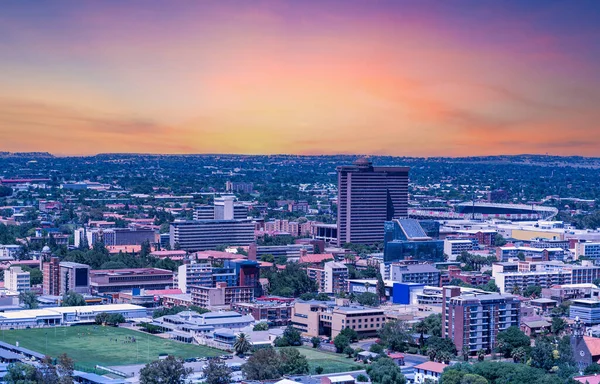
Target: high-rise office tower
[369, 196]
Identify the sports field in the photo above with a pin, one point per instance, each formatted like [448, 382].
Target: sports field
[106, 346]
[331, 362]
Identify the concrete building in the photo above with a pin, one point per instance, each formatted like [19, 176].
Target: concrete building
[588, 250]
[203, 235]
[198, 274]
[74, 277]
[275, 313]
[104, 281]
[367, 197]
[318, 318]
[530, 253]
[473, 321]
[114, 236]
[336, 277]
[195, 323]
[221, 295]
[587, 310]
[472, 278]
[51, 277]
[290, 251]
[238, 186]
[9, 251]
[425, 274]
[16, 279]
[453, 248]
[568, 292]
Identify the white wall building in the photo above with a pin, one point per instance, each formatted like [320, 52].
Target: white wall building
[453, 248]
[17, 279]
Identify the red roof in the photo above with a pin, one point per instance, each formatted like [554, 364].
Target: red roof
[590, 379]
[593, 344]
[396, 356]
[316, 258]
[431, 366]
[205, 255]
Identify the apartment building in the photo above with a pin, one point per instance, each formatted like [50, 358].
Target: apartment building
[587, 250]
[453, 248]
[220, 295]
[568, 292]
[198, 274]
[473, 321]
[16, 279]
[74, 277]
[472, 278]
[318, 318]
[415, 273]
[317, 274]
[336, 277]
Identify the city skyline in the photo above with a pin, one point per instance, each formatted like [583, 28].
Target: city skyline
[332, 77]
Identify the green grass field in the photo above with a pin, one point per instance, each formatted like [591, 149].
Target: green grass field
[331, 362]
[91, 345]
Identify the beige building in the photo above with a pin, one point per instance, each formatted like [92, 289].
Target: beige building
[319, 318]
[17, 279]
[221, 295]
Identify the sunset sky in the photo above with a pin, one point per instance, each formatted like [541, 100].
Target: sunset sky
[406, 78]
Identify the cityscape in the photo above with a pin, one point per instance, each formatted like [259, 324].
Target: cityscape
[286, 192]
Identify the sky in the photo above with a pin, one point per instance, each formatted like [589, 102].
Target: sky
[403, 78]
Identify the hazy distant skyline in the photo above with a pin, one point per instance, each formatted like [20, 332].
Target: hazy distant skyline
[403, 78]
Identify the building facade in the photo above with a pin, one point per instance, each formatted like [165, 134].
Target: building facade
[473, 321]
[204, 235]
[104, 281]
[367, 197]
[17, 279]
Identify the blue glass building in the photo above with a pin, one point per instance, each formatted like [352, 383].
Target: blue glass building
[405, 238]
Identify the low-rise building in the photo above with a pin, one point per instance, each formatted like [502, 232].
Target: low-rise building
[319, 318]
[116, 280]
[453, 248]
[275, 313]
[221, 295]
[415, 273]
[428, 371]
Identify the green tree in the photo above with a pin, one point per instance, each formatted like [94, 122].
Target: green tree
[170, 370]
[499, 241]
[471, 378]
[318, 369]
[438, 345]
[558, 325]
[290, 337]
[73, 299]
[380, 287]
[20, 373]
[351, 334]
[511, 338]
[292, 362]
[28, 299]
[217, 372]
[242, 344]
[35, 275]
[341, 342]
[542, 355]
[592, 369]
[376, 348]
[315, 341]
[385, 371]
[348, 351]
[65, 369]
[362, 378]
[368, 299]
[481, 355]
[532, 291]
[518, 355]
[264, 364]
[262, 326]
[395, 335]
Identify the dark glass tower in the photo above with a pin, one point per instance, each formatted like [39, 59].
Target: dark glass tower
[369, 196]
